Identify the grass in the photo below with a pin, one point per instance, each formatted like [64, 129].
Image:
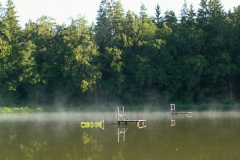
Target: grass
[17, 109]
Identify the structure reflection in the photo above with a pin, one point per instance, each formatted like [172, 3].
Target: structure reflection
[173, 119]
[121, 132]
[173, 122]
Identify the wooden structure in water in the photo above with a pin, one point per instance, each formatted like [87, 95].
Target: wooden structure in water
[122, 118]
[174, 112]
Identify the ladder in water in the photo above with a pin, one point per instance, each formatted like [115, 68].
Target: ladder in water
[173, 112]
[122, 118]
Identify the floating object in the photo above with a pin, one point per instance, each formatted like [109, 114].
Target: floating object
[173, 112]
[93, 124]
[122, 118]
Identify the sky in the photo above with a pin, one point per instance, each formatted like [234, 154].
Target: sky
[62, 10]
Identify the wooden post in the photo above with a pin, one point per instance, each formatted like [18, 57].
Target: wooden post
[122, 131]
[118, 135]
[118, 115]
[123, 113]
[172, 107]
[173, 122]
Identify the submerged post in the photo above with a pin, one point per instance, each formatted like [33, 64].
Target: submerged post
[173, 122]
[118, 115]
[123, 112]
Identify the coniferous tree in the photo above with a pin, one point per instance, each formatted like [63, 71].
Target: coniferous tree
[158, 19]
[114, 51]
[184, 13]
[232, 39]
[116, 18]
[129, 56]
[143, 11]
[170, 19]
[191, 21]
[109, 37]
[211, 20]
[79, 69]
[202, 15]
[103, 25]
[10, 37]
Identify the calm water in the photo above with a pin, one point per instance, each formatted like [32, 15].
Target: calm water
[59, 136]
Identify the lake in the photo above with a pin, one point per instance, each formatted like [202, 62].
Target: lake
[60, 136]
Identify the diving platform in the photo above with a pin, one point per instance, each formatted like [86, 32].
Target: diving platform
[174, 112]
[122, 118]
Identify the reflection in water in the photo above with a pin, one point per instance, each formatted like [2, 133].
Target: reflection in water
[208, 136]
[122, 131]
[174, 112]
[173, 122]
[173, 119]
[90, 146]
[15, 149]
[93, 124]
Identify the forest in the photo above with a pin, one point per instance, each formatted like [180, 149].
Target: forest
[125, 57]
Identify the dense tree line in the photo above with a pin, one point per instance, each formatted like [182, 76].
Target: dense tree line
[124, 57]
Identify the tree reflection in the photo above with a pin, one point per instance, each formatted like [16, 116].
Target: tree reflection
[86, 147]
[13, 149]
[91, 147]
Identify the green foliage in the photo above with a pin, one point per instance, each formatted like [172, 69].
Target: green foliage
[124, 57]
[10, 35]
[80, 52]
[16, 110]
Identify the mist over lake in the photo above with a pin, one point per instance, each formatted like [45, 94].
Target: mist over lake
[205, 135]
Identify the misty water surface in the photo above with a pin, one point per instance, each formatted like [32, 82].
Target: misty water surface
[48, 136]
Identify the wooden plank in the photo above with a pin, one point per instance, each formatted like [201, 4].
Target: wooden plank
[181, 112]
[140, 121]
[188, 114]
[133, 121]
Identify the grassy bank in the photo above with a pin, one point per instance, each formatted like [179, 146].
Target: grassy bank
[18, 109]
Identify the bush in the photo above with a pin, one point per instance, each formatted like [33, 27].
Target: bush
[16, 110]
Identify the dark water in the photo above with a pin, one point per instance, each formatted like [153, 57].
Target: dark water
[59, 136]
